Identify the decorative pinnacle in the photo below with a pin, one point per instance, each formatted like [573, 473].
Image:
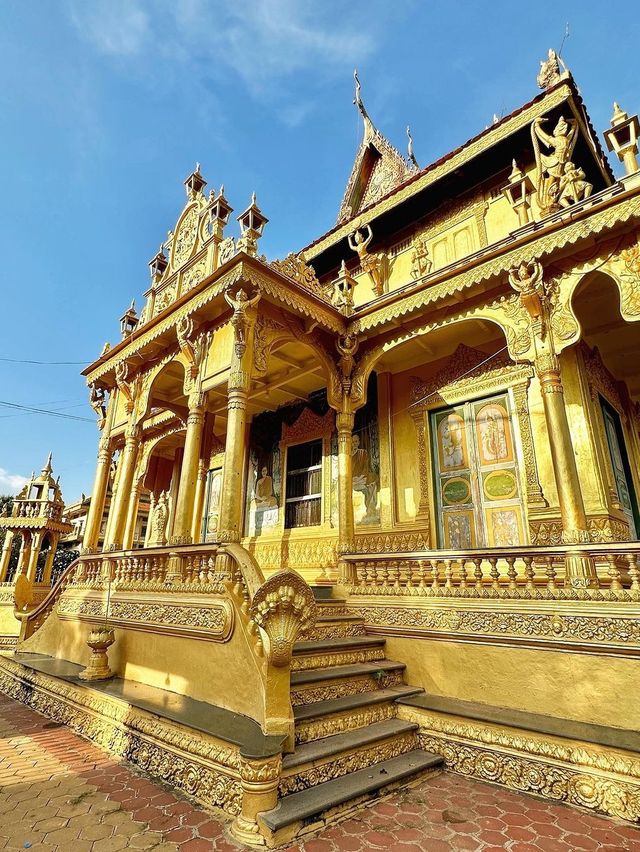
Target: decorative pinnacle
[516, 172]
[619, 115]
[197, 169]
[253, 199]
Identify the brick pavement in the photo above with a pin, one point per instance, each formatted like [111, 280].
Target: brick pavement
[58, 791]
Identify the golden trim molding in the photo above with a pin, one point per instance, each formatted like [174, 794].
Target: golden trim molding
[175, 615]
[551, 624]
[596, 777]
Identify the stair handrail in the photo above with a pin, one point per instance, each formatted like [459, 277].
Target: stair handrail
[31, 619]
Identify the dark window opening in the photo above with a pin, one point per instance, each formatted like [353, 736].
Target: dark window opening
[303, 504]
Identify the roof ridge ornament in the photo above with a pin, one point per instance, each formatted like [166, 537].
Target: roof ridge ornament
[369, 129]
[552, 70]
[410, 155]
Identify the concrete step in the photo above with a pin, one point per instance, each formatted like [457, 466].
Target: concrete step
[320, 750]
[335, 627]
[307, 805]
[355, 670]
[338, 681]
[332, 757]
[306, 712]
[322, 653]
[336, 716]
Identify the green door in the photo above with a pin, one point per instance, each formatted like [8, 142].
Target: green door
[620, 466]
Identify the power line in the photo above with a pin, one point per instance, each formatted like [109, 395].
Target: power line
[46, 411]
[47, 363]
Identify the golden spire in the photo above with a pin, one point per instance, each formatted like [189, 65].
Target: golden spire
[368, 124]
[619, 115]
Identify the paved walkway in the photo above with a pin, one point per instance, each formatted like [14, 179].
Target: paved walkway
[58, 791]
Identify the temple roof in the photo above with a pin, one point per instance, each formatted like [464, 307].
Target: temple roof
[561, 90]
[378, 167]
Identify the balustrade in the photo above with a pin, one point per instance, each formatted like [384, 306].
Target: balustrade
[518, 573]
[37, 509]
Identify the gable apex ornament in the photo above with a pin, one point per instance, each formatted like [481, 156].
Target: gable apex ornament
[552, 70]
[378, 167]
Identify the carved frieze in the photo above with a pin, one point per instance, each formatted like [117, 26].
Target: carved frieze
[213, 619]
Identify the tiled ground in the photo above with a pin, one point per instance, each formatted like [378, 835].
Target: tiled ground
[59, 792]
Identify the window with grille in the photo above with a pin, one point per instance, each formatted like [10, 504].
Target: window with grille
[303, 502]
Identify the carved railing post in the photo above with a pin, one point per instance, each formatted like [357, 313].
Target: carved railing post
[259, 779]
[282, 607]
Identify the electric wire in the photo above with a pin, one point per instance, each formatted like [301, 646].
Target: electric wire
[33, 410]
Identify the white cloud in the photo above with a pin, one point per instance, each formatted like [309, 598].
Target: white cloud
[11, 483]
[118, 27]
[261, 41]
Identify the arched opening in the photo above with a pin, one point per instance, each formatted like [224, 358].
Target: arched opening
[608, 351]
[14, 559]
[41, 562]
[456, 465]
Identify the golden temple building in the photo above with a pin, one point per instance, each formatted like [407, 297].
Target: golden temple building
[392, 491]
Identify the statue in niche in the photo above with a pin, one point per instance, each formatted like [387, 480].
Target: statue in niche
[265, 498]
[159, 512]
[364, 479]
[551, 166]
[420, 260]
[359, 241]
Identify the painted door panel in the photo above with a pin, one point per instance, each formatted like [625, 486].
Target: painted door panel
[476, 477]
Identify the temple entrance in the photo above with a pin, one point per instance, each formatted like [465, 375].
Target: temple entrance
[620, 466]
[477, 487]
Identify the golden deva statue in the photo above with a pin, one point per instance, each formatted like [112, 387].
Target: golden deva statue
[359, 241]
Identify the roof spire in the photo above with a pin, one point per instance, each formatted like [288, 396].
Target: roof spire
[368, 125]
[47, 469]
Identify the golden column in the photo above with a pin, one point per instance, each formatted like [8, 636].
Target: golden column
[100, 483]
[120, 504]
[346, 524]
[527, 280]
[183, 522]
[244, 323]
[132, 515]
[6, 555]
[198, 501]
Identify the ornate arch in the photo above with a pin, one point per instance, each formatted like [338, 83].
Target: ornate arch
[148, 448]
[270, 331]
[506, 314]
[147, 380]
[619, 261]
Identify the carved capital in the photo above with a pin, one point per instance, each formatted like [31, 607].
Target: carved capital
[184, 332]
[283, 607]
[125, 385]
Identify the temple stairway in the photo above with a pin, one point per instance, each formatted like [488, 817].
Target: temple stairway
[350, 745]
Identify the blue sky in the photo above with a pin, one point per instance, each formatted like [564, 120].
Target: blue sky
[107, 104]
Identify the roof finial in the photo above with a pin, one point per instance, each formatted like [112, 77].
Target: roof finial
[410, 154]
[368, 126]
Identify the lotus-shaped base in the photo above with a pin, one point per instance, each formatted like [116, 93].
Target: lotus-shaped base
[100, 639]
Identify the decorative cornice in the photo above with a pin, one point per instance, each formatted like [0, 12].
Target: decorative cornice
[282, 289]
[556, 234]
